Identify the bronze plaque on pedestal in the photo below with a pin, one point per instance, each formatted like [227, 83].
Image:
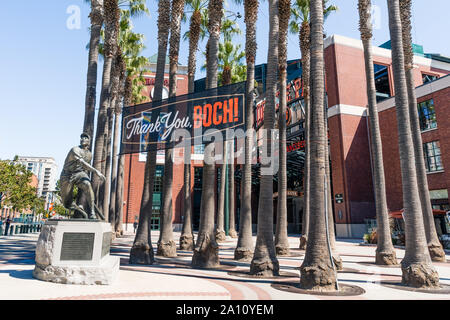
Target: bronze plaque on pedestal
[106, 243]
[77, 246]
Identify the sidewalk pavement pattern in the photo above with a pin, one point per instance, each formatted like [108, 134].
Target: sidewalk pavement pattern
[174, 279]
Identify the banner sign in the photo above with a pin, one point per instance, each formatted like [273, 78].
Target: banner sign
[157, 125]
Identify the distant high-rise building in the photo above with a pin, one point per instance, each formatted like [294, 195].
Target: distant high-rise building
[46, 171]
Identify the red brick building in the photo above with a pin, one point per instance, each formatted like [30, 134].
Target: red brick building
[352, 190]
[348, 123]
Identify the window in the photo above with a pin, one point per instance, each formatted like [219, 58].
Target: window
[426, 78]
[432, 154]
[383, 89]
[427, 115]
[157, 186]
[199, 149]
[154, 220]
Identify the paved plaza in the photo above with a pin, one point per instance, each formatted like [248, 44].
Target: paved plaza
[174, 279]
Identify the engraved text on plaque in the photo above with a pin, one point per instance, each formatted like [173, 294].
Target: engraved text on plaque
[77, 246]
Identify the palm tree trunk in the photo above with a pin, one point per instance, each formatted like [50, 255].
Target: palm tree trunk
[187, 235]
[385, 253]
[281, 236]
[304, 38]
[112, 15]
[206, 253]
[114, 168]
[96, 17]
[244, 246]
[119, 196]
[317, 272]
[434, 246]
[121, 166]
[220, 230]
[417, 268]
[142, 251]
[166, 245]
[107, 160]
[231, 190]
[113, 99]
[116, 104]
[264, 262]
[332, 237]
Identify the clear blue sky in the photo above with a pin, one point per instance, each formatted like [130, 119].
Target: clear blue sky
[43, 63]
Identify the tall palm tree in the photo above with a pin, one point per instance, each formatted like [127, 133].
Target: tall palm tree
[434, 246]
[132, 94]
[131, 65]
[385, 253]
[244, 246]
[135, 7]
[220, 226]
[229, 72]
[417, 269]
[112, 15]
[317, 270]
[142, 251]
[116, 105]
[206, 249]
[166, 245]
[197, 6]
[96, 17]
[300, 25]
[281, 236]
[231, 191]
[264, 262]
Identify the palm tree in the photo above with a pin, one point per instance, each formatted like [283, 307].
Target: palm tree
[132, 94]
[281, 236]
[194, 33]
[300, 25]
[96, 17]
[417, 268]
[112, 15]
[231, 68]
[228, 57]
[434, 246]
[229, 62]
[385, 253]
[231, 190]
[244, 246]
[220, 229]
[166, 245]
[317, 270]
[264, 262]
[206, 249]
[142, 251]
[131, 66]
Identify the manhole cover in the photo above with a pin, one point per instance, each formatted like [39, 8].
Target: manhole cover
[294, 287]
[444, 288]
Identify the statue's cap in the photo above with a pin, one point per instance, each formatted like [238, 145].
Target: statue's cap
[84, 134]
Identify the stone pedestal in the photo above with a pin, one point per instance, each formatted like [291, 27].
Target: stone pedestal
[75, 252]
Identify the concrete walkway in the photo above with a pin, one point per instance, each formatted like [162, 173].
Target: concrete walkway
[173, 279]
